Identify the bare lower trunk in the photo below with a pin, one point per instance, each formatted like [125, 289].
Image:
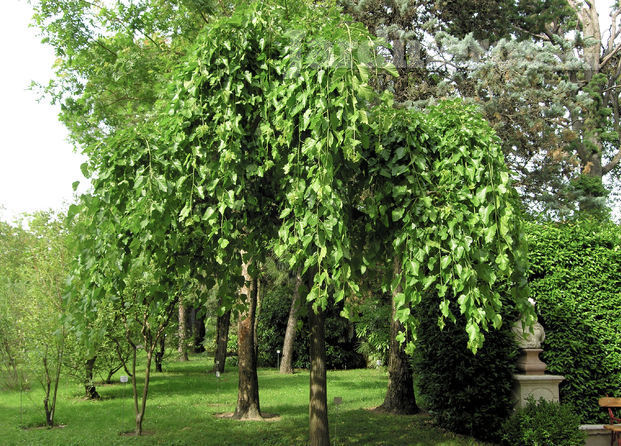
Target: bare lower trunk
[183, 348]
[89, 386]
[399, 397]
[248, 386]
[256, 319]
[49, 413]
[222, 339]
[198, 331]
[50, 406]
[400, 393]
[145, 393]
[286, 366]
[319, 434]
[159, 355]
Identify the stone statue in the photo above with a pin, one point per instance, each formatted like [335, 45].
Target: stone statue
[526, 339]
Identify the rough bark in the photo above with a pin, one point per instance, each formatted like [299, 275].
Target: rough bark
[319, 434]
[248, 385]
[183, 348]
[286, 365]
[256, 319]
[222, 338]
[89, 387]
[399, 397]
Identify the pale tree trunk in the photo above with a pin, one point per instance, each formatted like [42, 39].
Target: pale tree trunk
[286, 366]
[248, 385]
[399, 397]
[222, 338]
[256, 319]
[596, 60]
[183, 348]
[319, 434]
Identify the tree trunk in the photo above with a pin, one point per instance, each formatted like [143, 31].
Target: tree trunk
[256, 319]
[183, 349]
[248, 386]
[319, 434]
[159, 355]
[399, 397]
[145, 392]
[198, 332]
[89, 387]
[286, 366]
[222, 339]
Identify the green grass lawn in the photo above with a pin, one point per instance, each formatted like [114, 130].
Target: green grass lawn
[184, 400]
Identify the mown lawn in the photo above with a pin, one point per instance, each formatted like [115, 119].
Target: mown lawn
[184, 401]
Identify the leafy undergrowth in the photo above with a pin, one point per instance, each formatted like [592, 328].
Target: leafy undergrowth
[184, 402]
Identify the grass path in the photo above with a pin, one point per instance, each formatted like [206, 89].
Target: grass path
[185, 399]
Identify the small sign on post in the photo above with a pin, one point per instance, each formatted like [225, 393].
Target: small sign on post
[338, 400]
[124, 379]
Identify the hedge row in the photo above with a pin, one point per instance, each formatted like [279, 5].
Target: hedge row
[575, 278]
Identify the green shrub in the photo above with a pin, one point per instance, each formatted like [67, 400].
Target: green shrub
[465, 393]
[575, 277]
[543, 423]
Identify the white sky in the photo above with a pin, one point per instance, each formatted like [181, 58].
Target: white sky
[37, 164]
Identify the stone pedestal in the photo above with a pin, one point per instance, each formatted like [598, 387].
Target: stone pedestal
[529, 362]
[596, 435]
[539, 386]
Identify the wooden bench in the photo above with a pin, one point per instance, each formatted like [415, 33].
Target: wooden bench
[615, 422]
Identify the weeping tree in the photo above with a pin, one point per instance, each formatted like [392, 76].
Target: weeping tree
[268, 136]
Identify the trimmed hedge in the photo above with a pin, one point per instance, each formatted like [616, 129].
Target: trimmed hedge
[543, 423]
[575, 278]
[465, 393]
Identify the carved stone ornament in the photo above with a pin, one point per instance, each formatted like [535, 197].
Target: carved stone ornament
[528, 340]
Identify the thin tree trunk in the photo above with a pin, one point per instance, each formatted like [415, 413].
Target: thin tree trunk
[222, 339]
[286, 366]
[248, 386]
[50, 407]
[89, 387]
[145, 393]
[120, 356]
[183, 348]
[49, 420]
[399, 397]
[319, 434]
[111, 373]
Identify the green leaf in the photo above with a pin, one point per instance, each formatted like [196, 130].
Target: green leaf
[397, 214]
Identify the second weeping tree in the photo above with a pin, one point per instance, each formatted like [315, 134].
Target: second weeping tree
[286, 118]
